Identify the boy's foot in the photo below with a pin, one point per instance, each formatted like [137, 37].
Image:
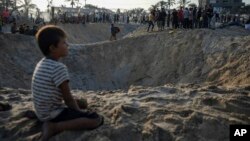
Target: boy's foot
[48, 131]
[101, 121]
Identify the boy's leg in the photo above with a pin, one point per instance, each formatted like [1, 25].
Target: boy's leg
[50, 129]
[70, 119]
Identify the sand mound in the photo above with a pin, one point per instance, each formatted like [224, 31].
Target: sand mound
[194, 56]
[197, 56]
[183, 113]
[91, 33]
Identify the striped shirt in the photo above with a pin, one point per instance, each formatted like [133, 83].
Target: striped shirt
[47, 97]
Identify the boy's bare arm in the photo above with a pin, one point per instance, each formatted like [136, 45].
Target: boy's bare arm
[67, 96]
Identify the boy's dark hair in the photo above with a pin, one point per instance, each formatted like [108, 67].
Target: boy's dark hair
[47, 36]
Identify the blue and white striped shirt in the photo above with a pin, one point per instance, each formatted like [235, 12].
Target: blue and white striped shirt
[47, 97]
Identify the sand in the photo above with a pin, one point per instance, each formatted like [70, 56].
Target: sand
[202, 56]
[89, 33]
[95, 32]
[184, 113]
[184, 86]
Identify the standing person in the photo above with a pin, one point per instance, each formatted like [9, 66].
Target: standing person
[168, 18]
[157, 18]
[163, 18]
[1, 23]
[83, 19]
[222, 18]
[209, 13]
[53, 102]
[175, 18]
[27, 30]
[186, 18]
[6, 15]
[180, 17]
[13, 28]
[195, 21]
[191, 17]
[21, 29]
[151, 19]
[217, 17]
[199, 16]
[213, 21]
[204, 19]
[247, 24]
[34, 30]
[114, 31]
[127, 19]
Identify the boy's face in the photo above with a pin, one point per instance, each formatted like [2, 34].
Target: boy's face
[61, 49]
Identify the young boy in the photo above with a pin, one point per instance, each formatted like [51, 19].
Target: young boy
[50, 87]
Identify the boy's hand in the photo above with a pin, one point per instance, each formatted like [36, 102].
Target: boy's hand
[67, 97]
[82, 103]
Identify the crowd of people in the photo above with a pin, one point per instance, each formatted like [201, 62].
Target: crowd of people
[189, 18]
[24, 29]
[13, 25]
[99, 17]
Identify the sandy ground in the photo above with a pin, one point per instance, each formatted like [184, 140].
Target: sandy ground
[181, 86]
[91, 33]
[185, 112]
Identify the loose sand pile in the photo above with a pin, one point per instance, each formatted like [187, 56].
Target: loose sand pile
[182, 113]
[185, 86]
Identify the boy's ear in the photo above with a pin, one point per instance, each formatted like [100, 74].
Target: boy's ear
[51, 47]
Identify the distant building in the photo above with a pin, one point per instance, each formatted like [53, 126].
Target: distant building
[225, 4]
[75, 11]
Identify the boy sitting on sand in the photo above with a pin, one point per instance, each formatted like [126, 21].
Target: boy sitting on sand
[50, 87]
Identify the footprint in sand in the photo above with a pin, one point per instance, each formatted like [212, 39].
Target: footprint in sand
[209, 101]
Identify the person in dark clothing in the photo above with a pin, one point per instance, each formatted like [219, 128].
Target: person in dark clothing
[21, 29]
[1, 23]
[199, 20]
[157, 18]
[209, 12]
[195, 21]
[191, 18]
[27, 30]
[186, 18]
[34, 30]
[180, 17]
[175, 19]
[163, 15]
[14, 28]
[205, 19]
[217, 17]
[151, 19]
[248, 21]
[168, 19]
[114, 31]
